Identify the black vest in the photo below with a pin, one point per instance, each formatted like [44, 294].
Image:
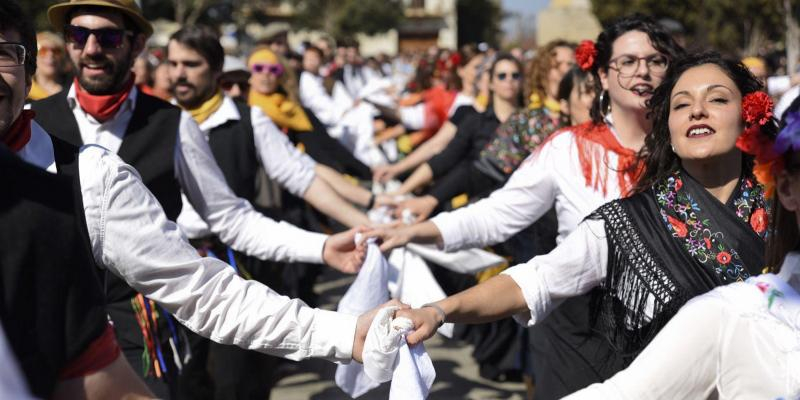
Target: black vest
[148, 146]
[51, 302]
[233, 146]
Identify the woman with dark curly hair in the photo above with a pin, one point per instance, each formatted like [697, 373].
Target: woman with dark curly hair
[746, 329]
[576, 170]
[697, 220]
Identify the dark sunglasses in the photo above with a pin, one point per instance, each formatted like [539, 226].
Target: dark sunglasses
[228, 85]
[109, 38]
[274, 69]
[503, 75]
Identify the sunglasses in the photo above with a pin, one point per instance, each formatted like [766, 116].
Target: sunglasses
[503, 75]
[50, 51]
[274, 69]
[228, 85]
[109, 38]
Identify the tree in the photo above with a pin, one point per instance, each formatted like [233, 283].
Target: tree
[478, 21]
[348, 17]
[731, 26]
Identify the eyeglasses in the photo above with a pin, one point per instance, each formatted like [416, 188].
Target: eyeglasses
[12, 54]
[627, 65]
[44, 51]
[228, 85]
[108, 38]
[274, 69]
[503, 75]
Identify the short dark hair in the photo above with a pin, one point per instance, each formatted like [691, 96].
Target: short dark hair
[12, 17]
[203, 40]
[659, 159]
[659, 38]
[315, 49]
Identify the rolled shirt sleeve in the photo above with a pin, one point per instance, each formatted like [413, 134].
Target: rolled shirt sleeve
[131, 236]
[573, 268]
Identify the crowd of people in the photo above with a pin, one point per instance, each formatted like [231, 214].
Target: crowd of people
[167, 210]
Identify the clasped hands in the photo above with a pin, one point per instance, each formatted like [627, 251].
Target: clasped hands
[426, 321]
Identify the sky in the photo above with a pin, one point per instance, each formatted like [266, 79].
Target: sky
[525, 8]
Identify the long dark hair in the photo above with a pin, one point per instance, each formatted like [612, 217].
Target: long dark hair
[659, 159]
[659, 38]
[575, 77]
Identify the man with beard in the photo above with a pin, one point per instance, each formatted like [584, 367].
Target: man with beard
[169, 152]
[242, 140]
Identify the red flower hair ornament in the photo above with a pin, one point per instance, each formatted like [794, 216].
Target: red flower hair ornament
[757, 112]
[585, 55]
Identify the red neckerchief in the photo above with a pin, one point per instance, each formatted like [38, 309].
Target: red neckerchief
[594, 159]
[19, 133]
[102, 107]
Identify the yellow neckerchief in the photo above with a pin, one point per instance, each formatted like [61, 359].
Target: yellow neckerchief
[206, 109]
[282, 111]
[482, 101]
[37, 92]
[550, 104]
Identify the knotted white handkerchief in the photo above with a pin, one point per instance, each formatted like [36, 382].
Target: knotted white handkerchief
[387, 357]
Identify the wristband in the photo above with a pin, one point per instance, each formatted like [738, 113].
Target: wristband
[438, 310]
[371, 201]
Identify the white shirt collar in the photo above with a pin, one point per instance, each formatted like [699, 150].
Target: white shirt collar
[226, 112]
[72, 100]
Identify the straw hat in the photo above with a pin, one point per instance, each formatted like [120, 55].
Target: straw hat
[57, 14]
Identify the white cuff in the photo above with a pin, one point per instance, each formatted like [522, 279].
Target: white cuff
[452, 238]
[335, 331]
[533, 289]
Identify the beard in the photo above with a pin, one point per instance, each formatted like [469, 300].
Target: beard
[112, 81]
[193, 98]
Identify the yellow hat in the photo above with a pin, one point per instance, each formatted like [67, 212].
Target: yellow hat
[754, 62]
[57, 14]
[262, 55]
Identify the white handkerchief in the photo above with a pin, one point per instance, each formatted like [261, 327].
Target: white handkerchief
[369, 290]
[387, 357]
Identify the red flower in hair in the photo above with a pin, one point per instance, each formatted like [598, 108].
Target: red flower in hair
[757, 108]
[759, 221]
[586, 54]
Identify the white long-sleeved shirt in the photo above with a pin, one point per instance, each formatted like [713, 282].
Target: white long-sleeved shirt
[292, 169]
[131, 236]
[551, 175]
[231, 218]
[314, 96]
[740, 341]
[573, 268]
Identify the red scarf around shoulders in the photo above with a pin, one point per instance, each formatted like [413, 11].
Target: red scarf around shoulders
[102, 107]
[19, 133]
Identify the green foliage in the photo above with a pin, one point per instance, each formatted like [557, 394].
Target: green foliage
[348, 17]
[479, 21]
[731, 26]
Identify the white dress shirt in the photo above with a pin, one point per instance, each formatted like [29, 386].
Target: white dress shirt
[131, 236]
[232, 219]
[550, 175]
[314, 96]
[740, 341]
[292, 169]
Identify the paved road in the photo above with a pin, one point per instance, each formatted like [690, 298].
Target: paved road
[457, 374]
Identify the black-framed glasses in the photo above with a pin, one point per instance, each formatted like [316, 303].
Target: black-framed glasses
[108, 38]
[514, 75]
[627, 64]
[12, 54]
